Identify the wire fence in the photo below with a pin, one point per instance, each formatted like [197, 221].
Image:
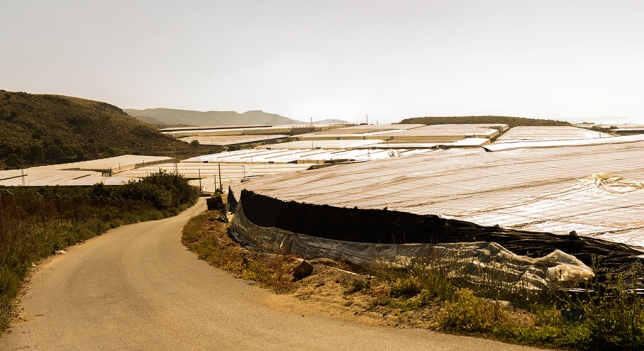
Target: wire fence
[18, 211]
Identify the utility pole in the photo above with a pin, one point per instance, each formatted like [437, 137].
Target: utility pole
[199, 180]
[176, 171]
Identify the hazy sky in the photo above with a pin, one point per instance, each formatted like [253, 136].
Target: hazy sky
[333, 59]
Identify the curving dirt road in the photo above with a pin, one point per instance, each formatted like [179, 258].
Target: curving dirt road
[138, 288]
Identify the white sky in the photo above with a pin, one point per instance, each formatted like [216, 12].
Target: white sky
[333, 59]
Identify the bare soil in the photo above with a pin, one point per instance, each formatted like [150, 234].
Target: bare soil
[334, 288]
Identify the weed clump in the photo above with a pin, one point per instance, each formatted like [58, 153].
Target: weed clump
[471, 314]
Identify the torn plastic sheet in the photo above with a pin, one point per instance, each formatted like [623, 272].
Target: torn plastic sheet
[613, 183]
[475, 260]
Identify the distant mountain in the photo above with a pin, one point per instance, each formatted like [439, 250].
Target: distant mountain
[160, 116]
[45, 129]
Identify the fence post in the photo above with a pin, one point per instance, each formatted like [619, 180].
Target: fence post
[1, 222]
[15, 206]
[89, 203]
[72, 203]
[61, 208]
[42, 206]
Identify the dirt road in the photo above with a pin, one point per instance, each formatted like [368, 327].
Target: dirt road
[138, 288]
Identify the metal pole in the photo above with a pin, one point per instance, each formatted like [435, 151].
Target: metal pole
[215, 185]
[199, 180]
[42, 203]
[221, 187]
[15, 206]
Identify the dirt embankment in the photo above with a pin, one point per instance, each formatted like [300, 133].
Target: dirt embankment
[333, 288]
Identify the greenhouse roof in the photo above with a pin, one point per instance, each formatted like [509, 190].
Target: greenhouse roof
[595, 190]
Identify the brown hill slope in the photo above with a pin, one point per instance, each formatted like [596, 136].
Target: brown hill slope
[47, 129]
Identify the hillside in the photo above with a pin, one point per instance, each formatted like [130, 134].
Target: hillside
[166, 116]
[47, 129]
[510, 121]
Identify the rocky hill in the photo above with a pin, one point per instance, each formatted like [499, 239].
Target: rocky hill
[47, 129]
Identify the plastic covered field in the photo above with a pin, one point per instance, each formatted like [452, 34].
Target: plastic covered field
[526, 133]
[593, 190]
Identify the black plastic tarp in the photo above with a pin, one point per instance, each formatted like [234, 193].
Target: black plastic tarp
[393, 227]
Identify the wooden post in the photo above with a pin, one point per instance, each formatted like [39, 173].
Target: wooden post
[1, 223]
[72, 203]
[200, 189]
[15, 206]
[61, 207]
[42, 205]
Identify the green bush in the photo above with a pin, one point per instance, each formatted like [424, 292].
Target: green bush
[406, 287]
[163, 189]
[471, 314]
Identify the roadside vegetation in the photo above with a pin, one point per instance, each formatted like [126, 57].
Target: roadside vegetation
[510, 121]
[606, 315]
[35, 227]
[50, 129]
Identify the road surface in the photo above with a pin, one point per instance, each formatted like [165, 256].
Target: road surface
[138, 288]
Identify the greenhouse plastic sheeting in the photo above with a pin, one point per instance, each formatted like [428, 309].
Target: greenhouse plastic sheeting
[540, 190]
[475, 259]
